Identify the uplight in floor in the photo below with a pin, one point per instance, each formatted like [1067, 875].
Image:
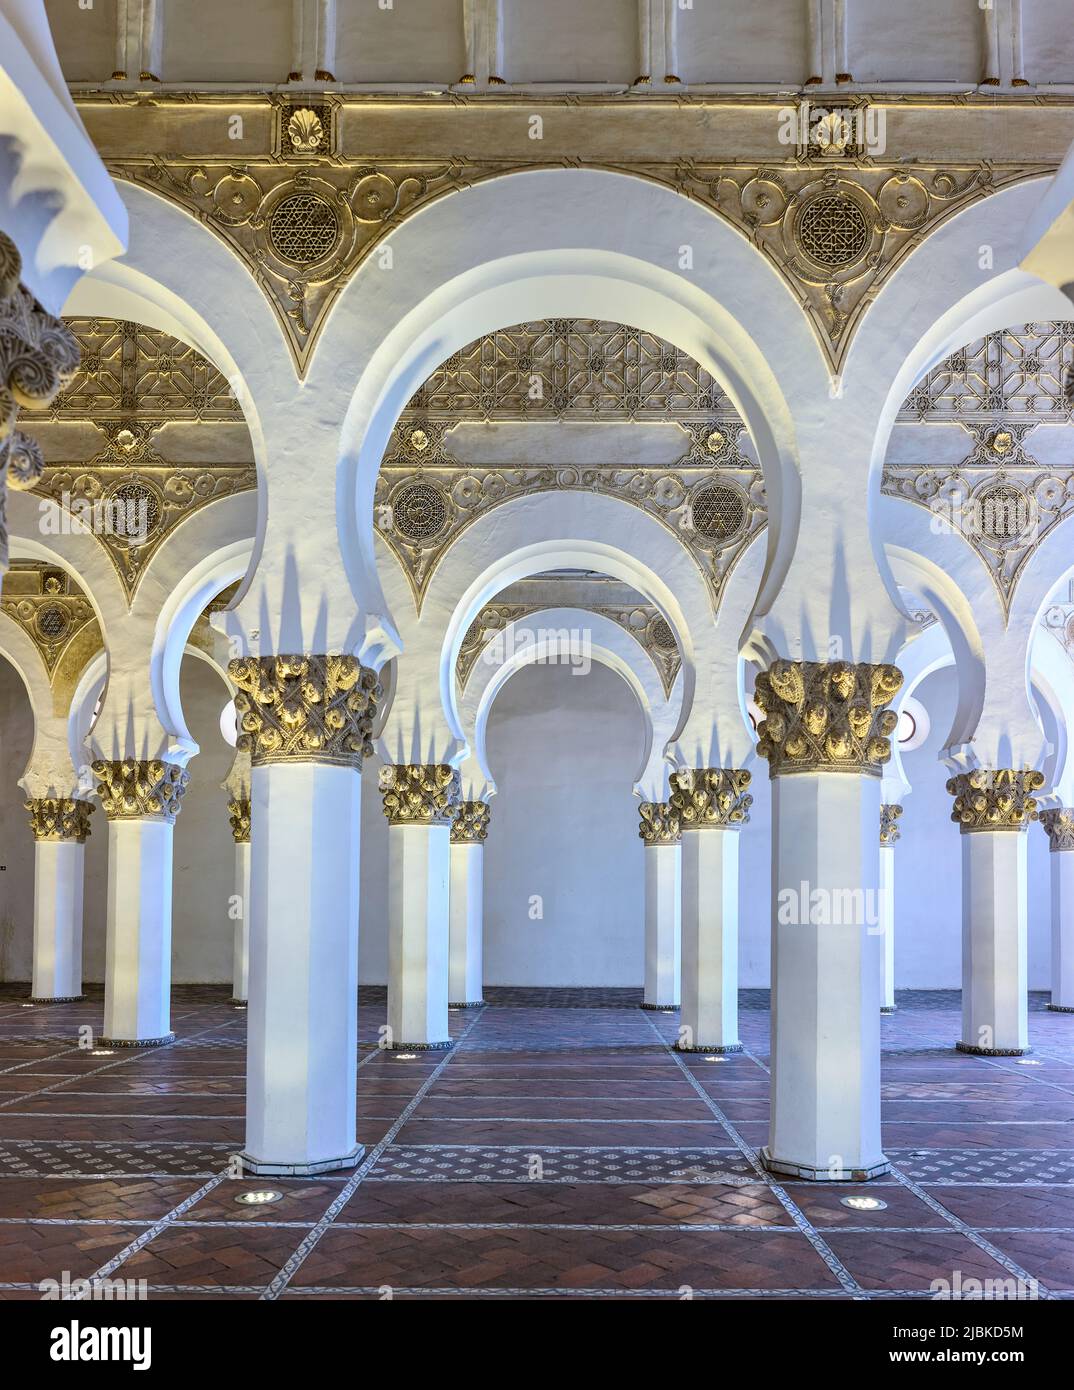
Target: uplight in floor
[863, 1203]
[259, 1197]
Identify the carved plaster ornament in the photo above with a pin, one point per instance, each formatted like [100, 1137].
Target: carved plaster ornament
[303, 708]
[420, 793]
[826, 716]
[471, 823]
[659, 823]
[994, 799]
[1058, 822]
[140, 789]
[889, 830]
[711, 797]
[59, 817]
[239, 819]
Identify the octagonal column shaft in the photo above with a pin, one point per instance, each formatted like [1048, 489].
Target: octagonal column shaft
[141, 800]
[661, 834]
[889, 833]
[711, 805]
[993, 808]
[825, 736]
[306, 722]
[240, 816]
[1059, 823]
[466, 910]
[419, 803]
[60, 827]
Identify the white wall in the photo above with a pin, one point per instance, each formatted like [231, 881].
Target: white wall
[16, 842]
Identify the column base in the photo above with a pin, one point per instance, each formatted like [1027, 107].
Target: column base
[422, 1047]
[136, 1042]
[660, 1008]
[808, 1173]
[991, 1051]
[468, 1004]
[888, 1008]
[717, 1047]
[55, 998]
[265, 1168]
[1060, 1008]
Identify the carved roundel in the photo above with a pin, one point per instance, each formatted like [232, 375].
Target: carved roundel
[133, 512]
[303, 228]
[1003, 514]
[661, 635]
[832, 230]
[419, 512]
[52, 621]
[718, 511]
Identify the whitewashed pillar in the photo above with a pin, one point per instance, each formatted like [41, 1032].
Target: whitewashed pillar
[141, 799]
[419, 803]
[712, 805]
[306, 722]
[467, 919]
[60, 826]
[661, 833]
[1059, 824]
[993, 807]
[825, 736]
[889, 833]
[239, 814]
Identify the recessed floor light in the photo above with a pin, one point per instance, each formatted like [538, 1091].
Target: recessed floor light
[25, 1006]
[102, 1052]
[863, 1203]
[715, 1059]
[259, 1197]
[241, 1008]
[1028, 1062]
[669, 1012]
[406, 1056]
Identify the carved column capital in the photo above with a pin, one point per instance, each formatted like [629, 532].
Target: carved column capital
[471, 823]
[890, 812]
[309, 709]
[659, 823]
[711, 797]
[38, 354]
[994, 798]
[420, 793]
[140, 789]
[826, 716]
[1058, 822]
[59, 817]
[239, 819]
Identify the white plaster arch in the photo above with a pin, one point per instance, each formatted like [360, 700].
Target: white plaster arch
[48, 770]
[576, 634]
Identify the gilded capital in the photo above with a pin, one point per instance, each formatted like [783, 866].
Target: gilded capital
[312, 709]
[1058, 821]
[889, 830]
[471, 823]
[59, 817]
[239, 818]
[711, 797]
[659, 823]
[826, 716]
[994, 799]
[420, 793]
[140, 789]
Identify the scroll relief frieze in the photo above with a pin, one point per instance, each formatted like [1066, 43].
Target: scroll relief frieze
[306, 214]
[110, 438]
[1007, 394]
[54, 612]
[571, 370]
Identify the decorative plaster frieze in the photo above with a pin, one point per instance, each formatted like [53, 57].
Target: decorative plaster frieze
[53, 611]
[994, 799]
[711, 798]
[305, 708]
[826, 716]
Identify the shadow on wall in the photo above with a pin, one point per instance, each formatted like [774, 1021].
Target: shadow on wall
[16, 842]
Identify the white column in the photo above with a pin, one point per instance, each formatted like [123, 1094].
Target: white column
[138, 950]
[59, 867]
[993, 808]
[240, 967]
[711, 805]
[663, 924]
[302, 1020]
[886, 908]
[826, 977]
[1059, 825]
[466, 912]
[419, 803]
[709, 1019]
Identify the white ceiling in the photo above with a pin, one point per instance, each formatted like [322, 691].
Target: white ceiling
[408, 44]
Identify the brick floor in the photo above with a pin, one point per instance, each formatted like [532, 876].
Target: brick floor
[562, 1149]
